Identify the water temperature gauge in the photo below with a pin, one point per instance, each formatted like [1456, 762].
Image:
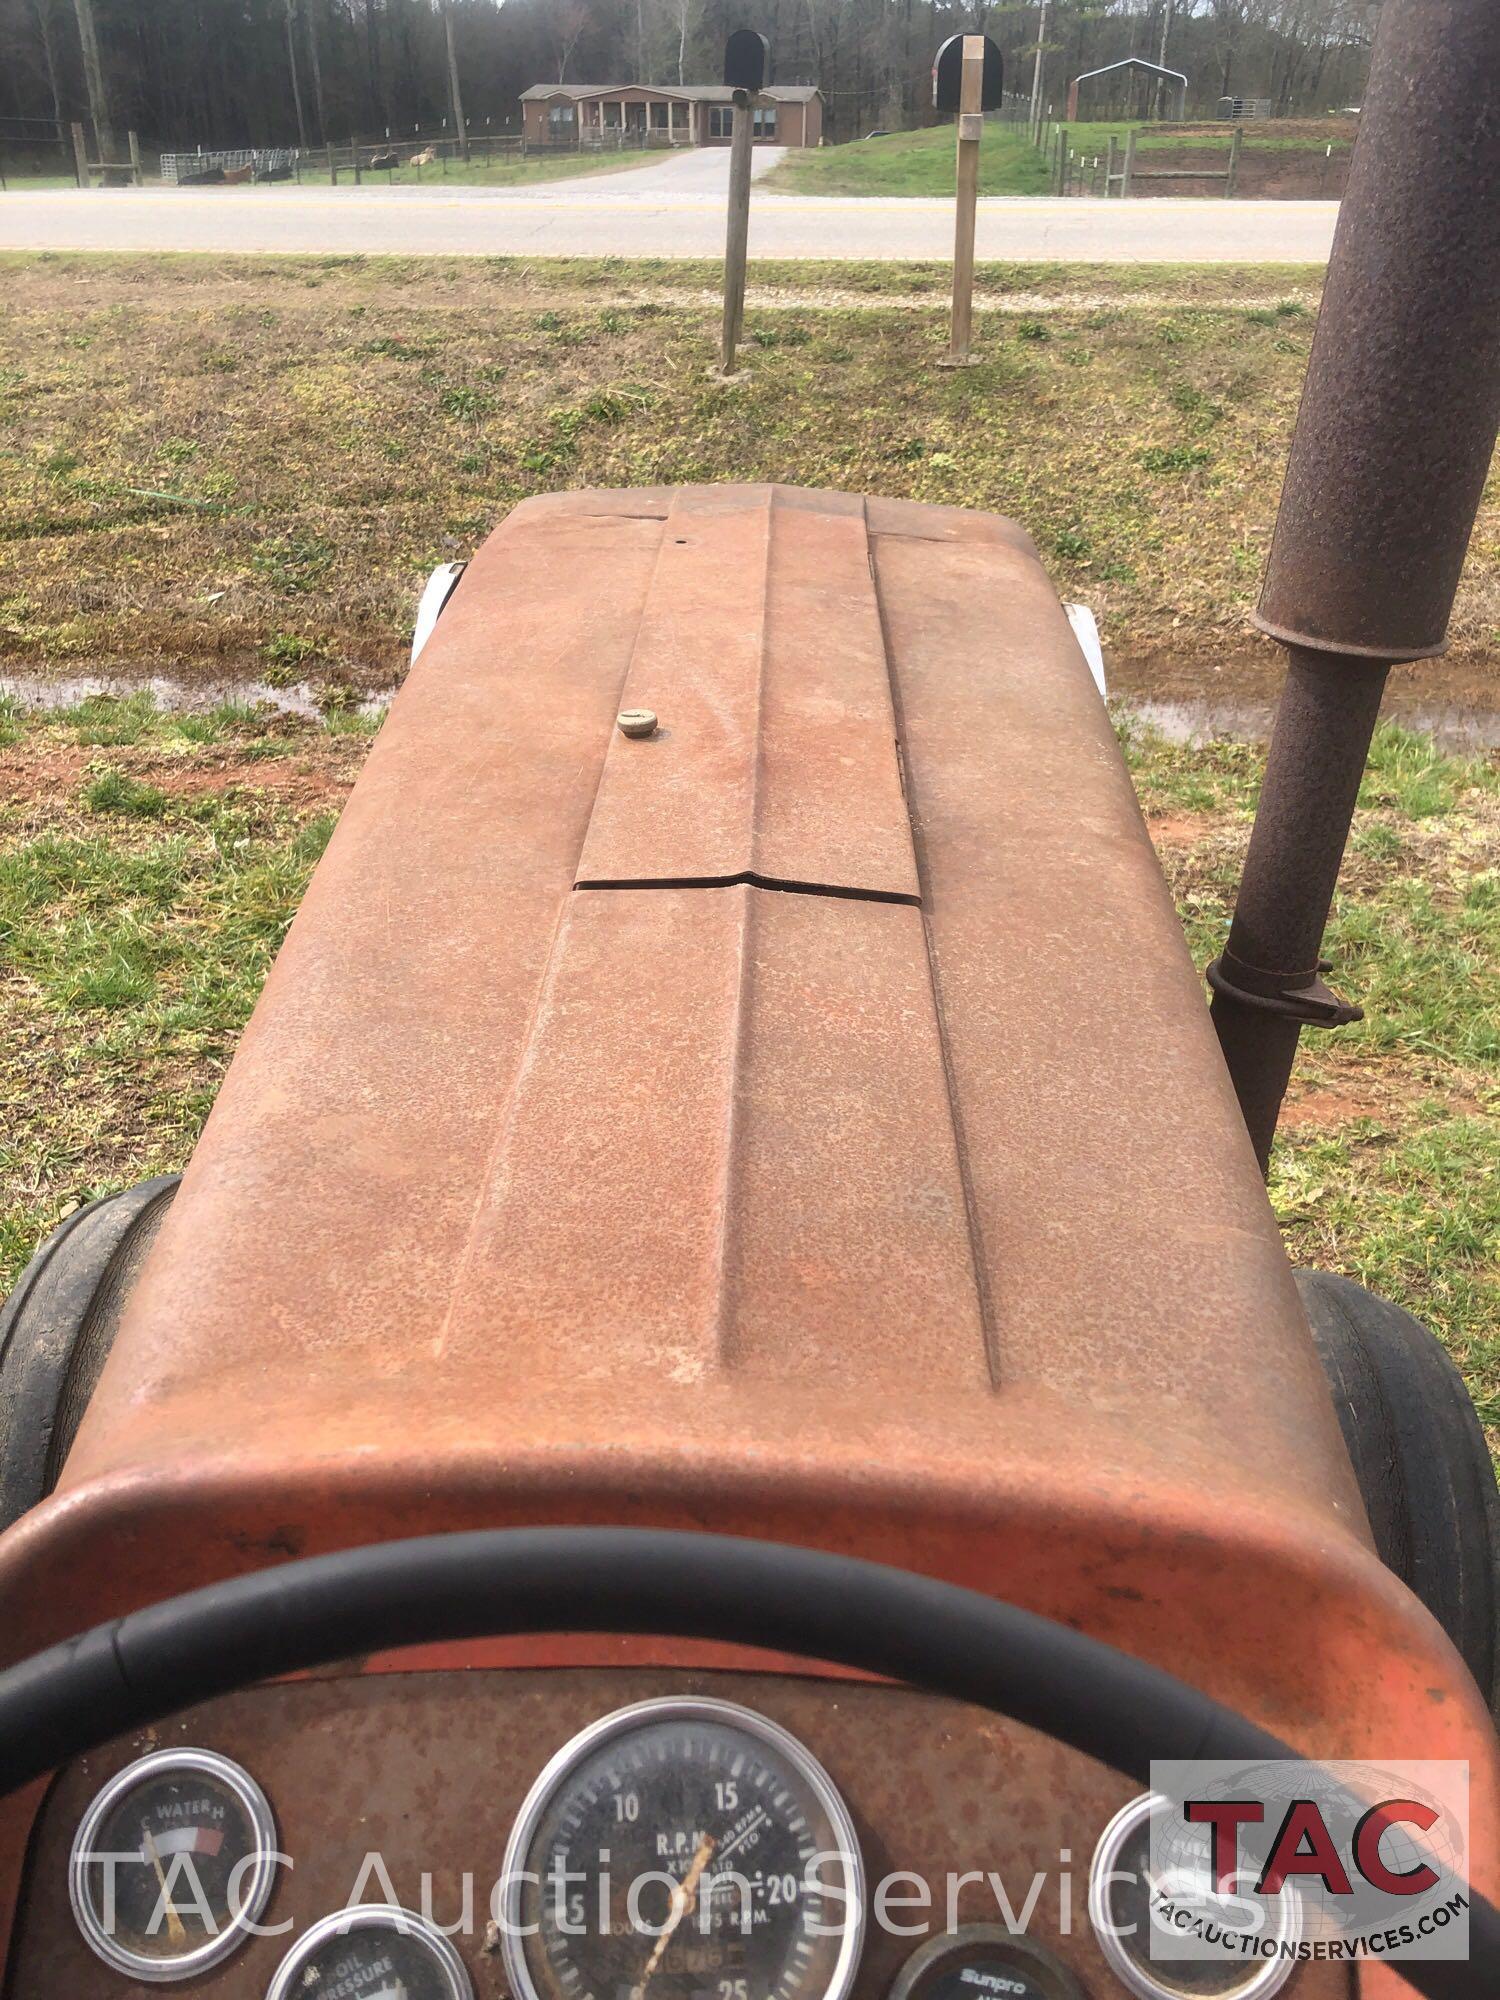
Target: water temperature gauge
[171, 1864]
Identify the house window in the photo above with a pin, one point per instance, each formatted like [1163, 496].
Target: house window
[559, 114]
[659, 116]
[765, 121]
[720, 121]
[612, 116]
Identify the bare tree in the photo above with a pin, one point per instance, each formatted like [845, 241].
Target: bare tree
[569, 19]
[42, 14]
[316, 59]
[683, 15]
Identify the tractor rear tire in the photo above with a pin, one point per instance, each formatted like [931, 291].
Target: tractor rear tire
[56, 1331]
[1420, 1458]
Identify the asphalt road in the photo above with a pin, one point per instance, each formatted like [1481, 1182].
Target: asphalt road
[672, 208]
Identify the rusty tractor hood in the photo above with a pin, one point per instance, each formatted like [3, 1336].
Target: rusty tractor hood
[804, 1121]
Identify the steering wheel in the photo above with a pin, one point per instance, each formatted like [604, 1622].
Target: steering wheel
[933, 1636]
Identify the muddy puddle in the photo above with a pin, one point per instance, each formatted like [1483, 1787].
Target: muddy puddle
[1457, 730]
[304, 698]
[1456, 726]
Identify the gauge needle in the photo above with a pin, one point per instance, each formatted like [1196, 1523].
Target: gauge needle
[175, 1930]
[681, 1897]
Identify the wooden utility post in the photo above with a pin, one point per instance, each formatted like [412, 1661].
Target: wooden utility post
[737, 237]
[1035, 126]
[1231, 178]
[747, 70]
[93, 76]
[970, 132]
[455, 95]
[137, 173]
[80, 155]
[968, 79]
[296, 75]
[1128, 170]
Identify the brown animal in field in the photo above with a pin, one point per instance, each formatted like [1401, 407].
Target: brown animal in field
[423, 159]
[236, 176]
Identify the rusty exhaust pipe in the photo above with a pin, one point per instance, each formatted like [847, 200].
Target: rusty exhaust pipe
[1393, 442]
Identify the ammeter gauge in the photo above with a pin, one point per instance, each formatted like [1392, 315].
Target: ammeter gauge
[984, 1962]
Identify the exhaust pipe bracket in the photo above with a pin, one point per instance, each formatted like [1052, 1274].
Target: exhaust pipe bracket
[1295, 996]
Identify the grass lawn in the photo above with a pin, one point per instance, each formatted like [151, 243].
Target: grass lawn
[224, 468]
[1280, 136]
[505, 170]
[913, 163]
[150, 864]
[921, 163]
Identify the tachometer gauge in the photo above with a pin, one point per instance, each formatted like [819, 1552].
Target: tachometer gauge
[683, 1850]
[373, 1951]
[171, 1863]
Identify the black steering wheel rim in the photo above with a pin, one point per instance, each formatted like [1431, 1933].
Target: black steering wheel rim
[934, 1636]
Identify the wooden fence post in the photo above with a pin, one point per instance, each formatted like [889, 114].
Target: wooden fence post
[138, 178]
[966, 177]
[1062, 160]
[354, 156]
[1129, 167]
[80, 155]
[1232, 177]
[737, 235]
[1109, 169]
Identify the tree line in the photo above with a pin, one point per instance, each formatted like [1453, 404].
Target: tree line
[280, 72]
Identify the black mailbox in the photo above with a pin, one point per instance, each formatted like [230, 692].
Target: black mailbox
[948, 69]
[747, 60]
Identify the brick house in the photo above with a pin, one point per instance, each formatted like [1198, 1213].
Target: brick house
[691, 114]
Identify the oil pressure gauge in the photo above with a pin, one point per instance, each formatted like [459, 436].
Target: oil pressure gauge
[683, 1850]
[171, 1864]
[372, 1952]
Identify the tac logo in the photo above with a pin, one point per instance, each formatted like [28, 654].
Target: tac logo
[1310, 1861]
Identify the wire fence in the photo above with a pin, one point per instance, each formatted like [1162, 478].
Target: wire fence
[361, 158]
[36, 149]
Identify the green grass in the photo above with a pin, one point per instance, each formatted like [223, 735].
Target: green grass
[1388, 1165]
[504, 170]
[1093, 136]
[922, 162]
[147, 878]
[150, 863]
[913, 163]
[244, 468]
